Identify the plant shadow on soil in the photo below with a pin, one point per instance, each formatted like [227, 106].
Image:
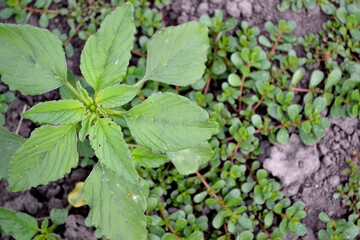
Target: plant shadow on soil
[309, 174]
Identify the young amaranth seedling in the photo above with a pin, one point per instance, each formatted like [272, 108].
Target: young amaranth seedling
[33, 62]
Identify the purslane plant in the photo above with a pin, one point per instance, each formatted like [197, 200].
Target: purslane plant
[33, 62]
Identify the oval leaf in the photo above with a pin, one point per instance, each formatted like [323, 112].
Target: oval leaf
[9, 144]
[107, 140]
[116, 96]
[106, 54]
[167, 122]
[177, 55]
[50, 151]
[116, 206]
[32, 59]
[56, 112]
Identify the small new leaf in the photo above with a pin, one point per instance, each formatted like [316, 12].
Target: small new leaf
[116, 96]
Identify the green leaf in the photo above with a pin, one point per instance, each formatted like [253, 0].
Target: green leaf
[32, 59]
[307, 138]
[177, 55]
[319, 104]
[9, 144]
[58, 216]
[188, 161]
[245, 235]
[316, 78]
[265, 41]
[107, 140]
[196, 236]
[117, 206]
[234, 80]
[86, 125]
[297, 76]
[56, 112]
[145, 158]
[282, 136]
[47, 155]
[268, 220]
[167, 122]
[44, 21]
[256, 120]
[324, 217]
[18, 225]
[293, 112]
[106, 54]
[169, 236]
[116, 96]
[333, 78]
[6, 13]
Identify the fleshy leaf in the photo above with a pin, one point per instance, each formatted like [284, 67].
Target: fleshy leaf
[9, 144]
[48, 154]
[116, 206]
[177, 55]
[189, 160]
[145, 158]
[32, 59]
[56, 112]
[116, 96]
[17, 224]
[107, 140]
[166, 122]
[106, 54]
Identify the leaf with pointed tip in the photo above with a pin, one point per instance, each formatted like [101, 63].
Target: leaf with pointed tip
[146, 158]
[106, 54]
[166, 122]
[47, 155]
[86, 125]
[188, 161]
[116, 96]
[17, 224]
[32, 59]
[177, 55]
[56, 112]
[117, 206]
[9, 144]
[107, 140]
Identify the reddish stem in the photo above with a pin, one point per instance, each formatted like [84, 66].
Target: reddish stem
[210, 190]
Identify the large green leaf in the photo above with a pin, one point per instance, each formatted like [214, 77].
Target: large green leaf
[167, 122]
[56, 112]
[188, 161]
[9, 144]
[116, 96]
[106, 54]
[48, 154]
[116, 206]
[177, 55]
[146, 158]
[17, 224]
[32, 59]
[111, 149]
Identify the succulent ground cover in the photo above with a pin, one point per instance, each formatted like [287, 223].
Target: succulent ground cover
[258, 88]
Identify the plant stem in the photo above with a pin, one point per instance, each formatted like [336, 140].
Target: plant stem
[211, 190]
[140, 82]
[166, 223]
[21, 120]
[115, 112]
[74, 91]
[138, 53]
[241, 91]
